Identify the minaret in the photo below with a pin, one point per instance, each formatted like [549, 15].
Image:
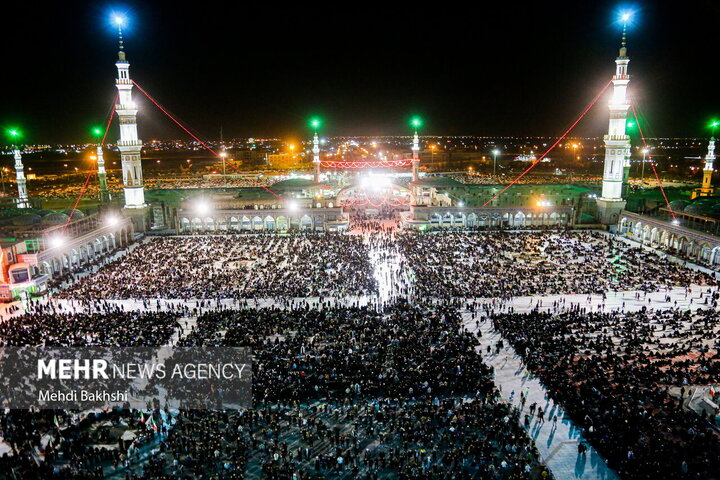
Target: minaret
[706, 188]
[415, 157]
[22, 200]
[102, 176]
[709, 165]
[129, 144]
[316, 158]
[617, 143]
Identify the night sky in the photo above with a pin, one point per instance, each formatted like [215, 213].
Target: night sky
[505, 69]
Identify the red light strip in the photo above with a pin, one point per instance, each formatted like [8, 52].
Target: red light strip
[112, 113]
[77, 202]
[358, 165]
[197, 139]
[652, 164]
[87, 180]
[587, 109]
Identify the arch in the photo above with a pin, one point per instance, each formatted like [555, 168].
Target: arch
[269, 223]
[519, 219]
[306, 222]
[257, 223]
[714, 257]
[471, 220]
[281, 223]
[246, 224]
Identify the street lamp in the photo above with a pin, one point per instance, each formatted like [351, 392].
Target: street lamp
[495, 153]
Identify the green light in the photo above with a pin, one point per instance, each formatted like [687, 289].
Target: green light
[714, 123]
[13, 132]
[315, 122]
[97, 131]
[630, 124]
[416, 122]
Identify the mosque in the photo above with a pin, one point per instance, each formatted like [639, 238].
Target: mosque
[40, 244]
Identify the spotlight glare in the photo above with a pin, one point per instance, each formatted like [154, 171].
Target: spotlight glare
[202, 207]
[57, 241]
[292, 206]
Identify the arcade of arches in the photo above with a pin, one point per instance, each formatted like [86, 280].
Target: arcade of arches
[675, 239]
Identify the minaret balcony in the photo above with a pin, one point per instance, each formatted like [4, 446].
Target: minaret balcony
[123, 81]
[616, 138]
[621, 77]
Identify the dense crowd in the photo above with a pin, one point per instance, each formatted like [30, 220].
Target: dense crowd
[301, 265]
[614, 373]
[358, 393]
[341, 392]
[502, 265]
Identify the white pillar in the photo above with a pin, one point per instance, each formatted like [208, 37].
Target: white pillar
[22, 200]
[415, 157]
[316, 158]
[102, 176]
[129, 143]
[617, 143]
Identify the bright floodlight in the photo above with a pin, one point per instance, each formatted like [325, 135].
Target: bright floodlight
[13, 132]
[315, 123]
[112, 220]
[496, 152]
[202, 207]
[416, 122]
[57, 241]
[292, 205]
[119, 21]
[626, 16]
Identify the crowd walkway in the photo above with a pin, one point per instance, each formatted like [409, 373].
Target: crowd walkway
[557, 441]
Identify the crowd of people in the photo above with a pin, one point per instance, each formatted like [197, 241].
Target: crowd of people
[301, 265]
[361, 393]
[342, 388]
[625, 378]
[343, 392]
[510, 264]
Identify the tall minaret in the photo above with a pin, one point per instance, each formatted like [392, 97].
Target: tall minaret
[617, 143]
[102, 176]
[706, 188]
[316, 158]
[416, 150]
[129, 144]
[22, 200]
[315, 124]
[709, 165]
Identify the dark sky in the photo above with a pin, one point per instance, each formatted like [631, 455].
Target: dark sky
[500, 69]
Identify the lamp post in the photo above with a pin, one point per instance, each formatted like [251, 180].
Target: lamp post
[495, 153]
